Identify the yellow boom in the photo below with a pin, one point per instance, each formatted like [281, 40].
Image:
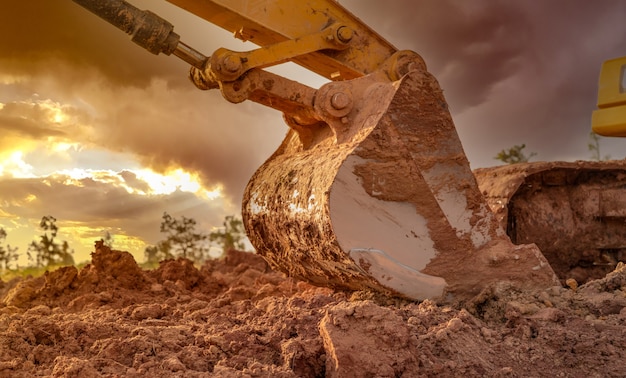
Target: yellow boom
[268, 22]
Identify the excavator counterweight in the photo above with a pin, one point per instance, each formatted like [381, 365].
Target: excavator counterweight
[371, 188]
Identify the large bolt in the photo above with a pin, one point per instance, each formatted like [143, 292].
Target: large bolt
[405, 61]
[344, 34]
[231, 63]
[340, 101]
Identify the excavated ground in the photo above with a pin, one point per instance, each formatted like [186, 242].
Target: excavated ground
[236, 318]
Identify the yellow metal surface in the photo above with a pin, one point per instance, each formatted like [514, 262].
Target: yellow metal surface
[610, 118]
[610, 121]
[266, 22]
[227, 65]
[610, 87]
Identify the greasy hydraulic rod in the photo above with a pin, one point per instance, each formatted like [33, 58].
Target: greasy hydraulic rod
[146, 29]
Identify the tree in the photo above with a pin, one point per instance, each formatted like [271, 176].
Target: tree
[182, 240]
[594, 148]
[231, 236]
[153, 254]
[47, 251]
[7, 254]
[107, 241]
[161, 251]
[514, 155]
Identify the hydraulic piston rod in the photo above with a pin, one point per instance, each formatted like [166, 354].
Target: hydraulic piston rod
[146, 29]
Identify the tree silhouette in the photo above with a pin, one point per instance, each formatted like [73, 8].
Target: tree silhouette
[47, 251]
[182, 240]
[7, 254]
[514, 155]
[594, 148]
[107, 241]
[153, 255]
[231, 236]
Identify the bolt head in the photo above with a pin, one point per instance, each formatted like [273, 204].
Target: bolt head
[340, 101]
[345, 34]
[231, 63]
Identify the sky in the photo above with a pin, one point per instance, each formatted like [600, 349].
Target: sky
[105, 136]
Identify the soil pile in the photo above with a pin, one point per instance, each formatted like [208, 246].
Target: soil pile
[236, 318]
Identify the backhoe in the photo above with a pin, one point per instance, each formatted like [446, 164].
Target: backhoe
[370, 188]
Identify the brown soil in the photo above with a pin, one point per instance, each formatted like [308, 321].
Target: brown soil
[236, 318]
[573, 211]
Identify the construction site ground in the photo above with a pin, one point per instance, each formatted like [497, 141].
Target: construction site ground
[234, 317]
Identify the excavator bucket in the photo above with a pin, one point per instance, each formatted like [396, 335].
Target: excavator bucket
[384, 200]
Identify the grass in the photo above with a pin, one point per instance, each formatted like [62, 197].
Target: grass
[29, 271]
[32, 271]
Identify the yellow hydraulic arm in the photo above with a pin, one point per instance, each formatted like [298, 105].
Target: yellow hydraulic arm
[258, 21]
[317, 34]
[320, 35]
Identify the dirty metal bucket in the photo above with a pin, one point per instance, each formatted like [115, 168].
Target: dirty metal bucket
[382, 198]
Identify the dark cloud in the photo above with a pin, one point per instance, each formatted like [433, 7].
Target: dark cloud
[26, 127]
[133, 182]
[469, 46]
[29, 120]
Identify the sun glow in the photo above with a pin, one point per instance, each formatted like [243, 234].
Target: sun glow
[170, 182]
[58, 117]
[55, 110]
[65, 147]
[15, 166]
[150, 182]
[174, 180]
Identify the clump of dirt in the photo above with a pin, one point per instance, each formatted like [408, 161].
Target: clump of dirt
[235, 317]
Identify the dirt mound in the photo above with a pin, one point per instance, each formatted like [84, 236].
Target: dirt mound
[236, 318]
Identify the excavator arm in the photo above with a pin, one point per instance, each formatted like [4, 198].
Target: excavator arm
[371, 188]
[268, 23]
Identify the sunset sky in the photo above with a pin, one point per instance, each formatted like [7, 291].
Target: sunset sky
[105, 136]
